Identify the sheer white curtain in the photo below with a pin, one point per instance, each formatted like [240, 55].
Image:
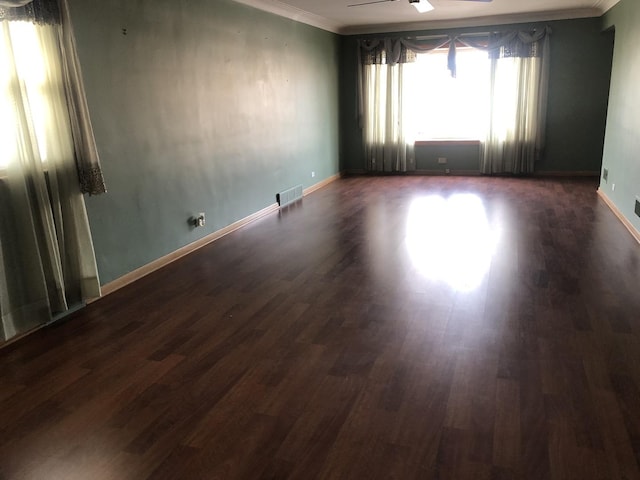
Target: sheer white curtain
[47, 261]
[388, 147]
[516, 120]
[518, 96]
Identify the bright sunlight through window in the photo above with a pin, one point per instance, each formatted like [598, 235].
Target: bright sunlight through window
[446, 108]
[30, 74]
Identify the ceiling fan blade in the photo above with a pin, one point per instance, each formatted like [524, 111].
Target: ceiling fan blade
[427, 6]
[422, 6]
[370, 3]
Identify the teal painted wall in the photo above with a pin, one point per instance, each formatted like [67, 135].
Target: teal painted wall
[578, 93]
[202, 106]
[622, 142]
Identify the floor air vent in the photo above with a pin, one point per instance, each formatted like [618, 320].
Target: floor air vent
[289, 196]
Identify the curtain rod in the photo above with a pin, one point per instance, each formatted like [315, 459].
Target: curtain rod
[444, 35]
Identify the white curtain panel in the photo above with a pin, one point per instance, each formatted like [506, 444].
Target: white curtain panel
[386, 142]
[47, 254]
[511, 143]
[87, 158]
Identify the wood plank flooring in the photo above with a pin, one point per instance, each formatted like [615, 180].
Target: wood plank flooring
[353, 336]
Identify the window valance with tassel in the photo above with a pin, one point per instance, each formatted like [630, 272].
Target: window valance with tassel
[42, 12]
[391, 51]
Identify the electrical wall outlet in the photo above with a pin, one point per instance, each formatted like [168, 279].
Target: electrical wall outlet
[442, 160]
[313, 174]
[199, 220]
[613, 187]
[447, 171]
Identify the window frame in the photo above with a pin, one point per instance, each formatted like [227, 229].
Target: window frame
[419, 135]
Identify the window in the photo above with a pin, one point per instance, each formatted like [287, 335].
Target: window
[445, 108]
[24, 67]
[498, 98]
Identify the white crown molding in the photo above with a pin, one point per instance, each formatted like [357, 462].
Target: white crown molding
[600, 7]
[606, 5]
[287, 11]
[474, 22]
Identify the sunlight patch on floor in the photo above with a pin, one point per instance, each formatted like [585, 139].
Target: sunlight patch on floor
[451, 240]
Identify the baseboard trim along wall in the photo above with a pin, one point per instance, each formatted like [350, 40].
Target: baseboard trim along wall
[632, 229]
[192, 247]
[579, 173]
[321, 184]
[416, 173]
[471, 173]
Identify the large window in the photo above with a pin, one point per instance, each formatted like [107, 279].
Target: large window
[445, 108]
[499, 97]
[29, 73]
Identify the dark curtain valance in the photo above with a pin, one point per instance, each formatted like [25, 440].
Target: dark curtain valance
[517, 44]
[37, 11]
[386, 52]
[391, 51]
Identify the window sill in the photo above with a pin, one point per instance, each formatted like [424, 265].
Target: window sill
[425, 143]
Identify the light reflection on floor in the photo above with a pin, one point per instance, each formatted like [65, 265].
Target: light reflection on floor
[451, 240]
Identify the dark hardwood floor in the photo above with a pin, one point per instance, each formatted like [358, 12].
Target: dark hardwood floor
[397, 327]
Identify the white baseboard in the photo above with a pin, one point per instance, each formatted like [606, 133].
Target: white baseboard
[425, 173]
[454, 172]
[151, 267]
[321, 184]
[577, 173]
[632, 229]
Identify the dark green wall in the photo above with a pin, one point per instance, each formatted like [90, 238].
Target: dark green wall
[460, 158]
[351, 151]
[578, 93]
[202, 106]
[214, 106]
[622, 143]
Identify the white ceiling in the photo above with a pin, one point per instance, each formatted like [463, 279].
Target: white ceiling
[336, 16]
